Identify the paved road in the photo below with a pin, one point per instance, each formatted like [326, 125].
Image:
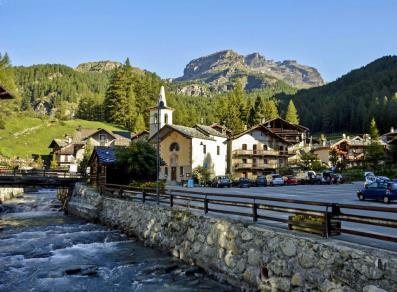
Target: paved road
[342, 194]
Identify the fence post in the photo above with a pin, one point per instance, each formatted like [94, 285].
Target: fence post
[205, 204]
[143, 195]
[121, 193]
[254, 211]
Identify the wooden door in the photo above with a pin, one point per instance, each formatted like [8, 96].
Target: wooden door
[173, 173]
[254, 149]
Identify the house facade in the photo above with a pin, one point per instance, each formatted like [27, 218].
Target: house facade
[256, 151]
[69, 151]
[349, 149]
[182, 149]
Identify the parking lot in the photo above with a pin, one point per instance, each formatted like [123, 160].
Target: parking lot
[341, 194]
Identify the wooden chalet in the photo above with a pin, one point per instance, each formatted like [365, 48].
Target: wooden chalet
[101, 159]
[294, 134]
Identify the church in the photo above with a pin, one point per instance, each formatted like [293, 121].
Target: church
[184, 148]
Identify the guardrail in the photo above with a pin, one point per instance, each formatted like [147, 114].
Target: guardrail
[326, 219]
[60, 173]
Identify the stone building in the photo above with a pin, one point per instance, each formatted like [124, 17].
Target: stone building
[69, 151]
[184, 148]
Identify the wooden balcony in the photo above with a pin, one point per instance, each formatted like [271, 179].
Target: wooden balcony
[241, 152]
[255, 166]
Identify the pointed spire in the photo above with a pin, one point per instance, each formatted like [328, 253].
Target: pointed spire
[162, 96]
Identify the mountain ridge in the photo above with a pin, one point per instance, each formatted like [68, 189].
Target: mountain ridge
[216, 73]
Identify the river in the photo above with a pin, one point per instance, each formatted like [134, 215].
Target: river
[41, 249]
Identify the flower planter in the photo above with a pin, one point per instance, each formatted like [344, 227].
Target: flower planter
[314, 225]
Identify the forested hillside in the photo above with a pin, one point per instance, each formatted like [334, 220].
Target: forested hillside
[349, 103]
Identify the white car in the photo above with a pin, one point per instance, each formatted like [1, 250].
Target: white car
[276, 180]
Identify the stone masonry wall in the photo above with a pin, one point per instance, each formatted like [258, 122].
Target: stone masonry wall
[9, 193]
[246, 255]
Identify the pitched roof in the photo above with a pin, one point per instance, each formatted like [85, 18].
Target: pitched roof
[125, 134]
[105, 155]
[261, 128]
[100, 130]
[140, 134]
[209, 130]
[298, 127]
[185, 131]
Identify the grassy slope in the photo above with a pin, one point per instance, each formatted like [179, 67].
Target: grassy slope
[24, 136]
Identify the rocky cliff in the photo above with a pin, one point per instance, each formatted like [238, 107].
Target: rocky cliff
[99, 66]
[217, 73]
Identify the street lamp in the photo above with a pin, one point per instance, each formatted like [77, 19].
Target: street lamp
[160, 106]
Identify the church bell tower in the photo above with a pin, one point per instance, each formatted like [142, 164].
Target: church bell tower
[160, 115]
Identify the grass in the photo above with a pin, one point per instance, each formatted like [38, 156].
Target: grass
[24, 135]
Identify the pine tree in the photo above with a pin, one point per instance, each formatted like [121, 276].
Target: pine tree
[271, 111]
[139, 125]
[292, 114]
[373, 130]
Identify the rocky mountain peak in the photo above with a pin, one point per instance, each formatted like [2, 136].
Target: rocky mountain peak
[98, 66]
[219, 70]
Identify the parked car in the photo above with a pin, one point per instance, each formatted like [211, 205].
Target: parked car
[379, 190]
[290, 180]
[307, 177]
[325, 178]
[274, 180]
[243, 182]
[337, 178]
[221, 181]
[260, 181]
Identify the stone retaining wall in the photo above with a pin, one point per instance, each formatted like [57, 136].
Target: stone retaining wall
[9, 193]
[246, 255]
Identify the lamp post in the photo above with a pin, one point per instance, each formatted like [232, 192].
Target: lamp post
[159, 107]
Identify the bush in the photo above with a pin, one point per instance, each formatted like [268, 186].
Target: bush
[148, 185]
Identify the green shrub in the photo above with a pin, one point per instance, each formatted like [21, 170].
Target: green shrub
[148, 185]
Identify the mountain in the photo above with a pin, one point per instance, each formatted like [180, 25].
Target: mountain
[216, 73]
[99, 66]
[349, 103]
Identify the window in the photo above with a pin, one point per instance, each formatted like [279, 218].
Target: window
[265, 161]
[174, 147]
[254, 148]
[254, 173]
[102, 139]
[265, 147]
[254, 162]
[166, 119]
[280, 161]
[204, 149]
[181, 170]
[166, 170]
[244, 160]
[281, 148]
[218, 150]
[244, 146]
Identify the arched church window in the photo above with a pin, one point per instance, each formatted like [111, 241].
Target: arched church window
[174, 147]
[166, 119]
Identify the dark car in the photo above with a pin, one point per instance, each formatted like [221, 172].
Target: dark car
[379, 190]
[221, 181]
[260, 181]
[290, 180]
[243, 182]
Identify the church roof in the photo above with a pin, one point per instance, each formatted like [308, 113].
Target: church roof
[185, 131]
[210, 131]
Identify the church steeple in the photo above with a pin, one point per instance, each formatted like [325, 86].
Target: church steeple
[160, 113]
[162, 96]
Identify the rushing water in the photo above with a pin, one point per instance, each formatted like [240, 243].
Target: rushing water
[41, 249]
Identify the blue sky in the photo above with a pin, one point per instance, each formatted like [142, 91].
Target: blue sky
[163, 36]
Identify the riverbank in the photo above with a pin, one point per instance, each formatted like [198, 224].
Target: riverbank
[9, 193]
[41, 249]
[244, 255]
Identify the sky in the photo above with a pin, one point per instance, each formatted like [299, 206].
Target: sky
[163, 36]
